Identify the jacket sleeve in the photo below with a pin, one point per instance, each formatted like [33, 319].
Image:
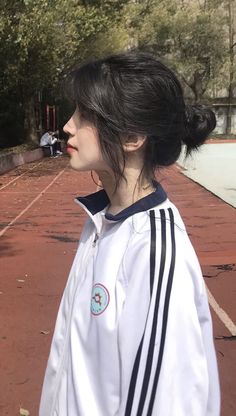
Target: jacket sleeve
[188, 378]
[173, 371]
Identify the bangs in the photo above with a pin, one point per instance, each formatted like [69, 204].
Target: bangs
[83, 86]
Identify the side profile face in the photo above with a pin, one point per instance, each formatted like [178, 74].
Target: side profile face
[83, 145]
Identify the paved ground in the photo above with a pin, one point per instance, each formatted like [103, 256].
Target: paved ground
[39, 231]
[214, 167]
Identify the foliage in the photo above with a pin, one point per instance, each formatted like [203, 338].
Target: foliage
[186, 34]
[41, 39]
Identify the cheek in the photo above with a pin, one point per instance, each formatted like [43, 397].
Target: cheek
[88, 143]
[94, 154]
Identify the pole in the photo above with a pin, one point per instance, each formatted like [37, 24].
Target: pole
[231, 65]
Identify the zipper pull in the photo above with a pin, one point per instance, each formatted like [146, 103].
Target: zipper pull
[95, 239]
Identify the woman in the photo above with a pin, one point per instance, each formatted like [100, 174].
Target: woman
[133, 334]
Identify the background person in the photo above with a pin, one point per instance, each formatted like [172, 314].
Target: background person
[49, 139]
[56, 135]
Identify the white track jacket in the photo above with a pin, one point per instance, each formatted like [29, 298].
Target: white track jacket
[133, 335]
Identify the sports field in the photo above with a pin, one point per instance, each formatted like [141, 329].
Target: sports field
[39, 231]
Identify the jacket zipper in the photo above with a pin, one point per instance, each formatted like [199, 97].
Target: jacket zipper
[95, 239]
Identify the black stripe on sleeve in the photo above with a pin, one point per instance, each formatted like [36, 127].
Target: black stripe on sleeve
[152, 250]
[165, 313]
[149, 360]
[133, 381]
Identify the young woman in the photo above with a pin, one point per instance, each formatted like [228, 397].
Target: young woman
[133, 335]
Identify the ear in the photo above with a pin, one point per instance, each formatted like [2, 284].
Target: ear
[133, 143]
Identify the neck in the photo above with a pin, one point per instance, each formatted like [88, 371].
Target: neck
[127, 192]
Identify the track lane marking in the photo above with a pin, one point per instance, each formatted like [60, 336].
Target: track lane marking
[222, 315]
[31, 203]
[18, 177]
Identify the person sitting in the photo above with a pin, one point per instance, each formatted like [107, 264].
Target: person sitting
[55, 134]
[50, 140]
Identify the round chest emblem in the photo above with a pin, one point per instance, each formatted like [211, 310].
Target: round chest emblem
[100, 299]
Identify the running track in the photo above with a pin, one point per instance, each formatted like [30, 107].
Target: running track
[39, 230]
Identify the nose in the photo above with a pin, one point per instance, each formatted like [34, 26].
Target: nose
[66, 127]
[70, 126]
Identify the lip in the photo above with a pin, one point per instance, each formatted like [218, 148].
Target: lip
[70, 148]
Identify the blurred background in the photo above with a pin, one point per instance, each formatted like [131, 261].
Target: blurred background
[41, 39]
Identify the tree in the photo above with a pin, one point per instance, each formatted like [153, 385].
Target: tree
[40, 40]
[186, 34]
[200, 47]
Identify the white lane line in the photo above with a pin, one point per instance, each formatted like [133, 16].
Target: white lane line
[13, 180]
[31, 203]
[222, 315]
[18, 177]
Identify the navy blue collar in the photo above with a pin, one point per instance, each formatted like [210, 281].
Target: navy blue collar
[97, 201]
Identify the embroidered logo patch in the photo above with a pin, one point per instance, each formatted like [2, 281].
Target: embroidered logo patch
[100, 299]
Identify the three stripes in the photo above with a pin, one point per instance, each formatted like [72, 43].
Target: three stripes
[156, 326]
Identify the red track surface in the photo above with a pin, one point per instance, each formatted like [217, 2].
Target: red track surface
[37, 250]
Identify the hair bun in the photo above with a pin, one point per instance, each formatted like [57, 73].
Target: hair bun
[200, 122]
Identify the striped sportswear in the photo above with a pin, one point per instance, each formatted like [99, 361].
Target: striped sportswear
[133, 335]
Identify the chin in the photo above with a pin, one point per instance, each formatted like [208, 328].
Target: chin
[86, 165]
[80, 168]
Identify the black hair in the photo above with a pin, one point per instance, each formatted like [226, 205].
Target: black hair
[132, 94]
